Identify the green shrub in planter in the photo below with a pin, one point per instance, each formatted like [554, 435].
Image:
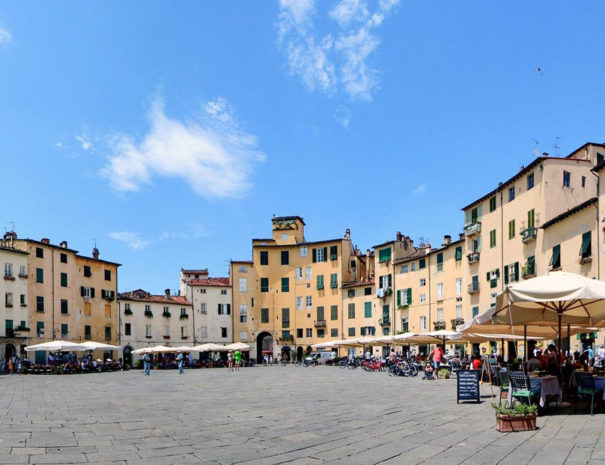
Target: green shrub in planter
[444, 373]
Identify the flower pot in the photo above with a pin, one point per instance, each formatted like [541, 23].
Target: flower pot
[513, 423]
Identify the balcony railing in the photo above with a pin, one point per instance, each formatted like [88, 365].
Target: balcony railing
[456, 322]
[472, 289]
[166, 314]
[473, 257]
[148, 313]
[472, 228]
[438, 325]
[9, 277]
[529, 234]
[385, 321]
[127, 312]
[183, 316]
[584, 260]
[320, 323]
[10, 332]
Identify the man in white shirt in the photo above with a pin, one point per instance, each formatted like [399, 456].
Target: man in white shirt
[601, 355]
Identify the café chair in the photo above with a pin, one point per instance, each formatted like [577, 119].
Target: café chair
[504, 378]
[521, 387]
[586, 387]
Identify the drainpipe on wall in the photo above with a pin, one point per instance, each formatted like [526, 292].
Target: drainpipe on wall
[52, 267]
[598, 228]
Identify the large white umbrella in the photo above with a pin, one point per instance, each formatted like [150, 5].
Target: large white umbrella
[239, 346]
[56, 346]
[211, 347]
[92, 345]
[184, 349]
[159, 349]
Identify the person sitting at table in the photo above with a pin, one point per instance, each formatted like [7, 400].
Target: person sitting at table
[533, 364]
[543, 360]
[475, 362]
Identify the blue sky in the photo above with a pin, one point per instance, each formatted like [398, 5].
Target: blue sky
[171, 134]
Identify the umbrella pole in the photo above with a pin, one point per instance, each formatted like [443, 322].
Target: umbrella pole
[559, 354]
[525, 343]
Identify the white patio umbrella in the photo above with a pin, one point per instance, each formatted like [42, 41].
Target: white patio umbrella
[92, 345]
[153, 350]
[239, 346]
[325, 345]
[211, 347]
[184, 349]
[557, 297]
[55, 346]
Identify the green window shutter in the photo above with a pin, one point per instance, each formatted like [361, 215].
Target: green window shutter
[488, 276]
[516, 271]
[506, 274]
[320, 281]
[314, 253]
[421, 263]
[399, 297]
[409, 296]
[459, 253]
[556, 254]
[264, 284]
[325, 254]
[380, 282]
[320, 313]
[384, 255]
[264, 257]
[334, 280]
[440, 258]
[585, 249]
[351, 311]
[285, 284]
[333, 252]
[334, 312]
[368, 309]
[531, 216]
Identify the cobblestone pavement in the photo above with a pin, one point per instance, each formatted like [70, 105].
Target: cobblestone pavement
[271, 415]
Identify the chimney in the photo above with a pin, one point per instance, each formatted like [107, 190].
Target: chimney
[461, 236]
[427, 248]
[63, 244]
[367, 276]
[399, 236]
[45, 240]
[545, 154]
[167, 293]
[447, 239]
[95, 253]
[348, 234]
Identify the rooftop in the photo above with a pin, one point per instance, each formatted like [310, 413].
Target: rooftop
[140, 295]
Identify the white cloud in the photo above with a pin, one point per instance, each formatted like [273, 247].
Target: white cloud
[84, 141]
[131, 239]
[194, 231]
[420, 189]
[214, 157]
[343, 116]
[5, 36]
[332, 63]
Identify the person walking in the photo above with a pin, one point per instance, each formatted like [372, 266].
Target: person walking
[230, 360]
[238, 359]
[601, 356]
[146, 363]
[436, 355]
[179, 359]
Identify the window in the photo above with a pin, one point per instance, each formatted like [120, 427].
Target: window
[530, 181]
[404, 297]
[440, 290]
[63, 306]
[422, 282]
[64, 330]
[223, 332]
[309, 302]
[63, 279]
[333, 252]
[492, 203]
[422, 323]
[8, 270]
[351, 331]
[320, 282]
[422, 298]
[440, 261]
[87, 272]
[351, 293]
[583, 181]
[384, 282]
[23, 300]
[440, 314]
[87, 308]
[40, 304]
[39, 275]
[319, 255]
[88, 332]
[224, 291]
[459, 311]
[309, 332]
[321, 333]
[334, 312]
[107, 275]
[367, 291]
[458, 286]
[459, 253]
[511, 229]
[264, 284]
[183, 332]
[511, 194]
[555, 259]
[202, 291]
[303, 251]
[108, 333]
[264, 315]
[183, 312]
[285, 317]
[384, 255]
[285, 257]
[299, 273]
[351, 311]
[308, 273]
[87, 292]
[492, 238]
[40, 328]
[63, 257]
[299, 332]
[39, 252]
[404, 269]
[586, 249]
[320, 313]
[367, 310]
[299, 303]
[421, 263]
[566, 178]
[243, 269]
[285, 284]
[8, 299]
[264, 257]
[475, 311]
[203, 309]
[333, 280]
[531, 218]
[243, 284]
[413, 267]
[600, 158]
[224, 309]
[243, 313]
[22, 271]
[108, 310]
[334, 332]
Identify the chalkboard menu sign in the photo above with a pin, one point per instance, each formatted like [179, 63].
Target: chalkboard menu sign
[468, 385]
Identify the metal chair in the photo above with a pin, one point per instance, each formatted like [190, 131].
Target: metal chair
[586, 387]
[521, 387]
[504, 379]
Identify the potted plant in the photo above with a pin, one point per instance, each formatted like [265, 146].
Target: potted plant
[519, 418]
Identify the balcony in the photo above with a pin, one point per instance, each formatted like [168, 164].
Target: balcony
[289, 339]
[127, 312]
[320, 323]
[166, 336]
[528, 271]
[456, 322]
[9, 332]
[22, 275]
[529, 234]
[472, 289]
[183, 316]
[166, 314]
[148, 313]
[438, 325]
[9, 277]
[585, 260]
[473, 257]
[385, 321]
[472, 229]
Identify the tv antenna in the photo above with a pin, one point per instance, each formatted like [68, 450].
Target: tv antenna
[536, 151]
[556, 146]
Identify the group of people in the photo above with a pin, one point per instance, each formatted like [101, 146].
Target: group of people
[11, 365]
[234, 360]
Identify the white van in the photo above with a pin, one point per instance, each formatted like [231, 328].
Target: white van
[321, 357]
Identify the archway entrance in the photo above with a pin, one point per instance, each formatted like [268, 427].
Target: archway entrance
[128, 356]
[264, 343]
[9, 351]
[299, 353]
[285, 354]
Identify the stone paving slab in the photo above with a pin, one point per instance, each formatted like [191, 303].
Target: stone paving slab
[292, 415]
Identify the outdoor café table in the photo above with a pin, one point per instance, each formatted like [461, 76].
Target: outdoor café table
[545, 386]
[599, 383]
